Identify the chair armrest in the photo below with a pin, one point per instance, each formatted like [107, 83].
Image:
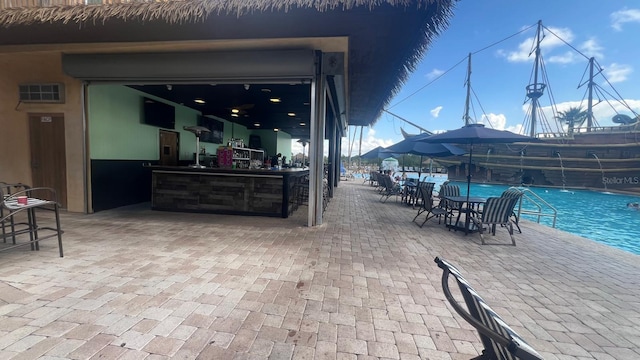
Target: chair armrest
[11, 202]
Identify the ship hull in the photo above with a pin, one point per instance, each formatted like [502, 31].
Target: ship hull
[601, 160]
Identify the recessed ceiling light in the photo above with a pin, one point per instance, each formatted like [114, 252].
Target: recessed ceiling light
[234, 115]
[291, 114]
[199, 101]
[303, 124]
[235, 111]
[275, 100]
[276, 129]
[256, 124]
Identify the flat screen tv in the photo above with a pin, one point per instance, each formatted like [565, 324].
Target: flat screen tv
[159, 114]
[215, 126]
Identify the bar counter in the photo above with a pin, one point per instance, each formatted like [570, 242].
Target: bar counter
[226, 191]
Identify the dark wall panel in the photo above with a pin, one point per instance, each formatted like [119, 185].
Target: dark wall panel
[116, 183]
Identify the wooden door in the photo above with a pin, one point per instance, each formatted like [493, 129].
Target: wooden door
[48, 154]
[169, 148]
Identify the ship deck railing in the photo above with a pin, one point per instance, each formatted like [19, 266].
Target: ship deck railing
[536, 207]
[593, 129]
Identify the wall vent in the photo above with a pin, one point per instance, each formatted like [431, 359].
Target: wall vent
[39, 93]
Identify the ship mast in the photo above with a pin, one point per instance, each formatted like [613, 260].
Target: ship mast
[468, 84]
[535, 90]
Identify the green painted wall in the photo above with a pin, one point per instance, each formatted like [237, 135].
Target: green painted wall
[116, 131]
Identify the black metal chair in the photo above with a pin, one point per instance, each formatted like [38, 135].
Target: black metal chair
[20, 199]
[516, 194]
[426, 205]
[499, 340]
[390, 189]
[496, 211]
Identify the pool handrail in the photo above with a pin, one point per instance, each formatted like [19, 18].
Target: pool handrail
[538, 202]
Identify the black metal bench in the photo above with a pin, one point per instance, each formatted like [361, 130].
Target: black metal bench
[499, 340]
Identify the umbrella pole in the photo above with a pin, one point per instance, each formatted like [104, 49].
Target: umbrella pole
[420, 169]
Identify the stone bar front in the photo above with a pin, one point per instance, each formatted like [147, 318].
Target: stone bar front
[226, 191]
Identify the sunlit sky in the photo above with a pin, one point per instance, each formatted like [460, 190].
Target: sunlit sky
[434, 95]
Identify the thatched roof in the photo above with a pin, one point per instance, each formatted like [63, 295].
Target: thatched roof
[176, 11]
[380, 60]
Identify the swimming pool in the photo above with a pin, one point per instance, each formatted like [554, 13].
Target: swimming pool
[600, 216]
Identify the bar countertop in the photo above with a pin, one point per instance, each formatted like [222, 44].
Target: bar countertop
[189, 169]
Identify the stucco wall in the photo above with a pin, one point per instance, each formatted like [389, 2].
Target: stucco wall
[41, 67]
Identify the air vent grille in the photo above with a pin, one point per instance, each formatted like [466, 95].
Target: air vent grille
[49, 93]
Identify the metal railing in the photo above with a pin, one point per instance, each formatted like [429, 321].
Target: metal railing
[532, 204]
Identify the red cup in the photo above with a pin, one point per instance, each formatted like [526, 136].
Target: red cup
[22, 200]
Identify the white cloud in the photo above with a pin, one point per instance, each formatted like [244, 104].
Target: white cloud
[566, 58]
[435, 112]
[369, 142]
[617, 73]
[591, 48]
[499, 122]
[550, 42]
[621, 17]
[434, 74]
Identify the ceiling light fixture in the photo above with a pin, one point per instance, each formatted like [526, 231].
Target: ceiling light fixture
[276, 129]
[199, 101]
[235, 111]
[234, 115]
[275, 100]
[256, 124]
[303, 124]
[291, 114]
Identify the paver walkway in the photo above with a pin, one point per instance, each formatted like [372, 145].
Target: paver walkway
[139, 284]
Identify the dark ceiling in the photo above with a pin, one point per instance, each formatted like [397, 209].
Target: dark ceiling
[253, 102]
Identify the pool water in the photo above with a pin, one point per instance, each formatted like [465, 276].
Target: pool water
[600, 216]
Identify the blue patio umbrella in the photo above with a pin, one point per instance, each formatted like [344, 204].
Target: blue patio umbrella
[377, 153]
[474, 134]
[410, 146]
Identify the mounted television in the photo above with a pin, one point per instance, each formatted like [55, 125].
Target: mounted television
[159, 114]
[215, 126]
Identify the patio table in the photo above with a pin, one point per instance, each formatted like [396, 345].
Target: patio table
[472, 203]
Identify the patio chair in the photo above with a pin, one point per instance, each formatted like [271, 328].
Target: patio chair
[449, 206]
[390, 189]
[496, 211]
[516, 194]
[428, 187]
[426, 200]
[23, 201]
[500, 341]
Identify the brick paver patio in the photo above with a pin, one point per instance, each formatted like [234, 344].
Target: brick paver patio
[139, 284]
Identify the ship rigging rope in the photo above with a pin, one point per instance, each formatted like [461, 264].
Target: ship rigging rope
[460, 62]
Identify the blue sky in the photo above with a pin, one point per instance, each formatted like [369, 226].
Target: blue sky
[607, 30]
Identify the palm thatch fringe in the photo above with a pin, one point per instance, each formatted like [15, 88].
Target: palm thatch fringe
[182, 11]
